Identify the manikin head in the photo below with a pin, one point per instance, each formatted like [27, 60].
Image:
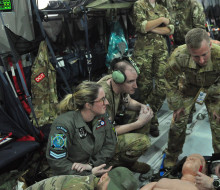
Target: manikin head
[193, 164]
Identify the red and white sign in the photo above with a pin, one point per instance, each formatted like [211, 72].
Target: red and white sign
[40, 77]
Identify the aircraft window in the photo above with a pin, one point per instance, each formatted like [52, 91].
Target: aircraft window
[42, 4]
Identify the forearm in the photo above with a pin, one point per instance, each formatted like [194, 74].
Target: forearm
[134, 105]
[64, 167]
[153, 24]
[161, 30]
[122, 129]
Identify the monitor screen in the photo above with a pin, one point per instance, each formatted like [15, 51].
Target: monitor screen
[5, 5]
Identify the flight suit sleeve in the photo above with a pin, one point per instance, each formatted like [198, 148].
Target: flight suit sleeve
[108, 148]
[198, 16]
[173, 70]
[58, 145]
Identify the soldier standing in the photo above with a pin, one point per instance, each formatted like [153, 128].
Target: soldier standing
[152, 23]
[199, 60]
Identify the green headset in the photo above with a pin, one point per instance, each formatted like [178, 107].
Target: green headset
[119, 76]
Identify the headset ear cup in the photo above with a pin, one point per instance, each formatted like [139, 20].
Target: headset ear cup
[118, 77]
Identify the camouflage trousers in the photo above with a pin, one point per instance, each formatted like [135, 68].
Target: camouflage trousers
[66, 182]
[130, 147]
[177, 133]
[151, 82]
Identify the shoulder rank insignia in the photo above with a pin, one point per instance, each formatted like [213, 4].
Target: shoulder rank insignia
[58, 141]
[82, 133]
[57, 155]
[101, 123]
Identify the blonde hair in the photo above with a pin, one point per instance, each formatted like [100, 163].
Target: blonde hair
[86, 92]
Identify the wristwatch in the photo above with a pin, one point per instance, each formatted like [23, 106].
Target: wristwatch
[216, 184]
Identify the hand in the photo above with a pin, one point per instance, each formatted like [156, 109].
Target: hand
[216, 117]
[217, 170]
[99, 170]
[203, 181]
[166, 21]
[177, 113]
[145, 115]
[145, 108]
[79, 167]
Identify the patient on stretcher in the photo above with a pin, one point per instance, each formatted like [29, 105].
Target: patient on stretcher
[191, 180]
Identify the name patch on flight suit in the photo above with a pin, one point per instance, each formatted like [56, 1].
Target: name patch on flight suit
[82, 133]
[101, 123]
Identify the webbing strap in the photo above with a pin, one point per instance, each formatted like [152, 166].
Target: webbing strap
[18, 90]
[7, 76]
[88, 54]
[20, 108]
[16, 57]
[50, 47]
[27, 93]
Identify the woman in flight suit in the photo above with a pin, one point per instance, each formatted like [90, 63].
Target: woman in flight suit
[78, 141]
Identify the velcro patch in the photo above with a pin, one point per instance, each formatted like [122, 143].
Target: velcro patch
[40, 77]
[101, 123]
[82, 133]
[61, 128]
[56, 155]
[58, 141]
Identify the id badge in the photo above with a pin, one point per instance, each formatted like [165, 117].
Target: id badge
[201, 96]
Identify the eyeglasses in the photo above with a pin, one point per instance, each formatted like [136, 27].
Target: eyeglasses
[101, 100]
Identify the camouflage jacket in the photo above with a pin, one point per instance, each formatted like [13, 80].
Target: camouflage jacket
[143, 12]
[43, 87]
[72, 140]
[186, 15]
[207, 77]
[66, 182]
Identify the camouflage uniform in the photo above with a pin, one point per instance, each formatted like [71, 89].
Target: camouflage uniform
[72, 140]
[43, 87]
[207, 77]
[65, 182]
[150, 54]
[121, 178]
[186, 15]
[130, 146]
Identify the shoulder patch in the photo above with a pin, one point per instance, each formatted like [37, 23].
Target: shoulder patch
[62, 129]
[57, 155]
[101, 123]
[58, 141]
